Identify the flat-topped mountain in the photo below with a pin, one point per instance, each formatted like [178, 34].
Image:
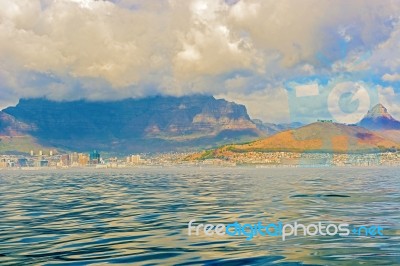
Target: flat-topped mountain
[160, 124]
[135, 125]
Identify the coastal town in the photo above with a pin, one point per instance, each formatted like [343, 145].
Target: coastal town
[51, 160]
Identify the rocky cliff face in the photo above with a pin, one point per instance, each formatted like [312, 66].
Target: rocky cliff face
[9, 126]
[135, 125]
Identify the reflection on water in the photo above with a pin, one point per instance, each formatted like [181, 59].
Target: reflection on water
[140, 216]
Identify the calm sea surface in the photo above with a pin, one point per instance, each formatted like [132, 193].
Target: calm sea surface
[140, 216]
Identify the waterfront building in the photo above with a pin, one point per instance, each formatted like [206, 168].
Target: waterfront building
[83, 159]
[65, 160]
[74, 158]
[94, 157]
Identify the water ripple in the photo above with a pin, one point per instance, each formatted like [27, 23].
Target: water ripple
[140, 216]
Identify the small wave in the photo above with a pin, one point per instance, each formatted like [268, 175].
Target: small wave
[320, 196]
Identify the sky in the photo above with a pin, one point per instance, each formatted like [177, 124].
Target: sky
[285, 60]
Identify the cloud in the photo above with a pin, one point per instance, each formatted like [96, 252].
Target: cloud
[391, 77]
[386, 55]
[69, 49]
[209, 46]
[269, 104]
[390, 99]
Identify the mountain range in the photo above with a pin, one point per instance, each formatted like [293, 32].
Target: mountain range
[315, 137]
[130, 125]
[377, 132]
[160, 124]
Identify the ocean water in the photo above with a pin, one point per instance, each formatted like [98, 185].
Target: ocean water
[140, 216]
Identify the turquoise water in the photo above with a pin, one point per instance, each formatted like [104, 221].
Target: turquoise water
[140, 216]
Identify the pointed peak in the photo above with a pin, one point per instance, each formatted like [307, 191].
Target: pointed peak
[379, 111]
[378, 118]
[380, 107]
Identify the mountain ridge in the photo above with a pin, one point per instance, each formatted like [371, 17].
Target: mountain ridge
[323, 137]
[159, 124]
[135, 125]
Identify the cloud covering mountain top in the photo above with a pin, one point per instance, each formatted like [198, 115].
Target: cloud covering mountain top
[243, 49]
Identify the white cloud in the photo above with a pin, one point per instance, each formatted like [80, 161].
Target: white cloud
[391, 100]
[391, 77]
[269, 104]
[386, 55]
[67, 49]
